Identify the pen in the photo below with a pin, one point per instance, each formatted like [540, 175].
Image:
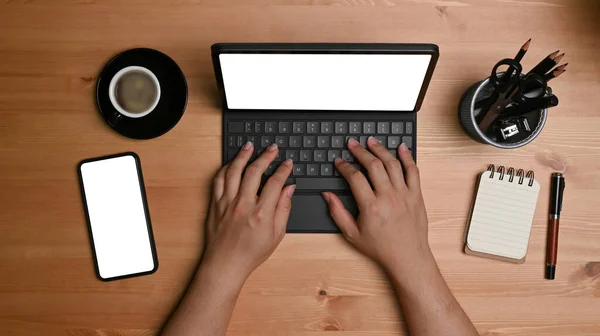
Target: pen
[556, 198]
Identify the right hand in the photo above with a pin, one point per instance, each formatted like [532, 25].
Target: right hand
[392, 225]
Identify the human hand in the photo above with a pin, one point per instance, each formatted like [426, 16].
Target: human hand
[392, 224]
[244, 229]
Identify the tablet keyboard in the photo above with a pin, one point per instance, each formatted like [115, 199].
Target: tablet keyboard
[314, 145]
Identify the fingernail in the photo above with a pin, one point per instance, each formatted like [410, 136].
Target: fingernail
[403, 147]
[372, 141]
[352, 142]
[272, 147]
[247, 145]
[288, 162]
[291, 190]
[338, 160]
[326, 197]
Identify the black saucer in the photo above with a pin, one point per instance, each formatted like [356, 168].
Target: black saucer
[171, 105]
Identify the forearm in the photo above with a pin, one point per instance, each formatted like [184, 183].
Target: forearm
[207, 305]
[428, 305]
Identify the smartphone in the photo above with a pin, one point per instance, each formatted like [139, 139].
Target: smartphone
[114, 199]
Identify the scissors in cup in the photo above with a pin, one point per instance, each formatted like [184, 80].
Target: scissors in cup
[512, 89]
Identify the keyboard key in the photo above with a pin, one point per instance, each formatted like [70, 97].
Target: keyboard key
[323, 141]
[291, 154]
[327, 169]
[363, 140]
[341, 127]
[266, 140]
[305, 155]
[409, 127]
[347, 156]
[336, 172]
[369, 127]
[235, 127]
[258, 127]
[279, 156]
[319, 156]
[295, 141]
[337, 141]
[281, 141]
[407, 140]
[393, 152]
[333, 154]
[270, 127]
[252, 138]
[381, 139]
[393, 142]
[271, 169]
[355, 127]
[231, 154]
[309, 141]
[312, 169]
[312, 127]
[383, 127]
[249, 127]
[348, 137]
[231, 141]
[299, 127]
[299, 169]
[285, 127]
[397, 127]
[327, 127]
[307, 183]
[239, 141]
[357, 166]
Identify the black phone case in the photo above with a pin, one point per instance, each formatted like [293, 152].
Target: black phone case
[147, 213]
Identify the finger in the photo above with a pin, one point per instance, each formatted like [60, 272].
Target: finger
[272, 189]
[413, 180]
[219, 183]
[233, 175]
[377, 173]
[392, 166]
[283, 208]
[344, 220]
[255, 171]
[359, 185]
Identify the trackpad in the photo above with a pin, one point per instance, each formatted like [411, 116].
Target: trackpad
[310, 213]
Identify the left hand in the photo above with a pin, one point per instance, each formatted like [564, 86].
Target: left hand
[244, 229]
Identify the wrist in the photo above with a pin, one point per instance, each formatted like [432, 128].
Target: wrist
[409, 271]
[222, 275]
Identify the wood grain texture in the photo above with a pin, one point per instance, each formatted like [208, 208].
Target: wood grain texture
[52, 50]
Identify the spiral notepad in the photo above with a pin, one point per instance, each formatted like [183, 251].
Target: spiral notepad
[502, 215]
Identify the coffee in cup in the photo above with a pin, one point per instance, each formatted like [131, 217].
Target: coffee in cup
[134, 91]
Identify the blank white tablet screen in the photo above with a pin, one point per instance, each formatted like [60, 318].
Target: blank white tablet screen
[347, 82]
[118, 223]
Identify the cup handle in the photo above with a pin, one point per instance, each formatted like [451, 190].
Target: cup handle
[114, 119]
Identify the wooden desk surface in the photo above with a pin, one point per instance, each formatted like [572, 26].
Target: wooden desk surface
[51, 52]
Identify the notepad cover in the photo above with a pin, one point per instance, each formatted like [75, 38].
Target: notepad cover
[501, 219]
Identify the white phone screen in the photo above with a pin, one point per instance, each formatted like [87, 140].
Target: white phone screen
[120, 230]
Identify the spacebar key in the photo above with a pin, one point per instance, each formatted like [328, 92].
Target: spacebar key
[321, 184]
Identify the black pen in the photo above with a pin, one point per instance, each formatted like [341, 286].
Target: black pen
[520, 109]
[556, 197]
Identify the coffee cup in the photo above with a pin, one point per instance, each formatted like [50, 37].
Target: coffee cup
[134, 92]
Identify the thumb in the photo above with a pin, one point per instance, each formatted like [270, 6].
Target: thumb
[283, 208]
[341, 216]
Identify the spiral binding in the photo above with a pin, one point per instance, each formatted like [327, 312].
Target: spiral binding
[511, 174]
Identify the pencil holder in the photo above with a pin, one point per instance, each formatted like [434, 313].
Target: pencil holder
[468, 114]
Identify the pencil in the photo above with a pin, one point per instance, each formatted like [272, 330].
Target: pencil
[545, 65]
[558, 58]
[556, 72]
[522, 51]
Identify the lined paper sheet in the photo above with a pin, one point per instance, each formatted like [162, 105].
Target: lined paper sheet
[502, 216]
